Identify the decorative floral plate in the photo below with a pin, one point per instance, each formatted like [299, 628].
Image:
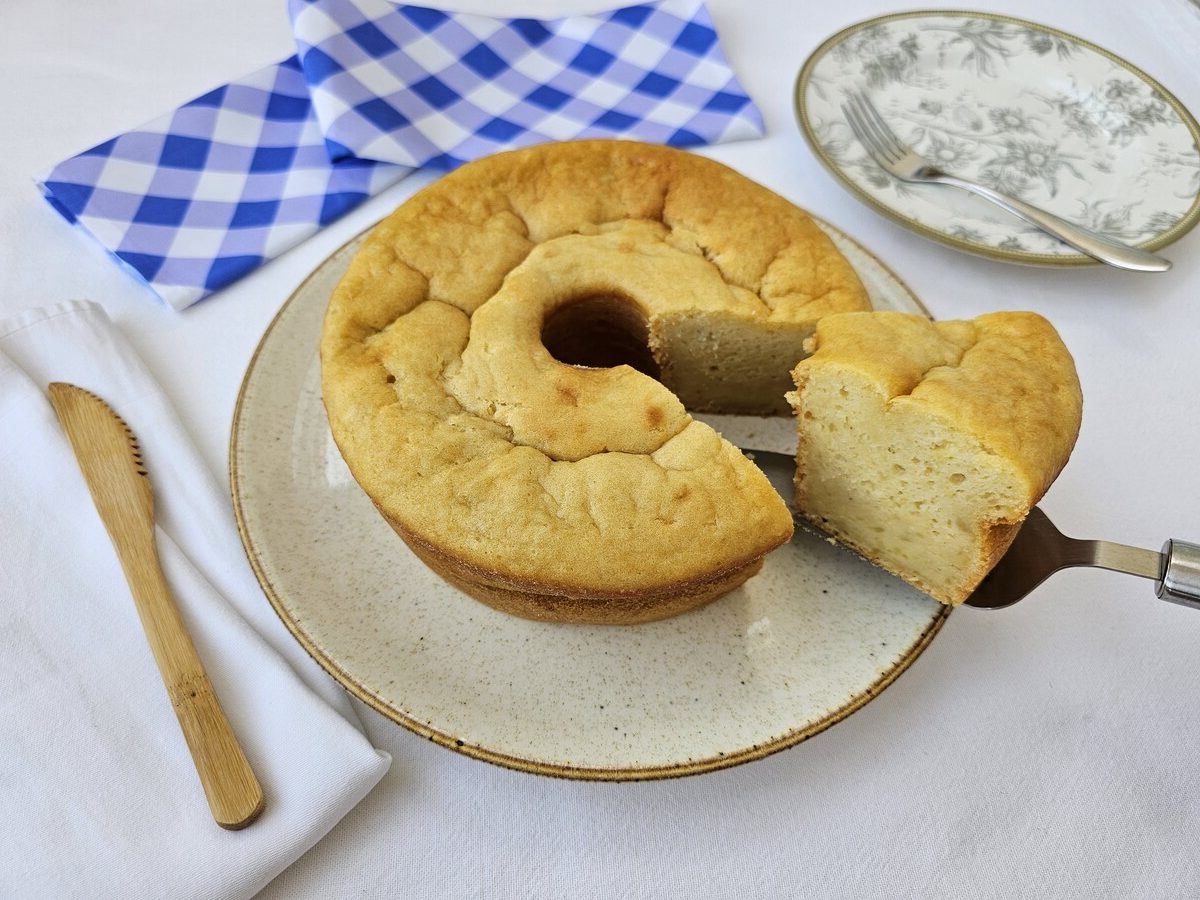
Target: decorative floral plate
[813, 637]
[1026, 109]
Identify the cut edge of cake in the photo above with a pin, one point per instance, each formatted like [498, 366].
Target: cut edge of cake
[923, 446]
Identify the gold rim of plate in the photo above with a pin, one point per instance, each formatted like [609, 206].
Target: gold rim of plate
[1172, 234]
[389, 711]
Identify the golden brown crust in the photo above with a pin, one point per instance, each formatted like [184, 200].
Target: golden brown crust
[546, 604]
[471, 438]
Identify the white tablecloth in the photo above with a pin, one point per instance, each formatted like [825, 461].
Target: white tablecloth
[1046, 750]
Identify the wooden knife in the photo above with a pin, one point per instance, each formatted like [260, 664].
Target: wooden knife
[111, 461]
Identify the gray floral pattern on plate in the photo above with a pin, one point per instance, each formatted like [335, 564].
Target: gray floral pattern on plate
[1025, 109]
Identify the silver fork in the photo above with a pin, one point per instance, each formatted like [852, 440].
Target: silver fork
[899, 159]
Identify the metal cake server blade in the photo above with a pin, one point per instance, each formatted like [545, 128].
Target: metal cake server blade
[111, 462]
[1039, 550]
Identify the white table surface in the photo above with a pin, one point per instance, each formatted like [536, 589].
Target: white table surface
[1052, 749]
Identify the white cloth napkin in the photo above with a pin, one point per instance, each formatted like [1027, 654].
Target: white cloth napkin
[99, 793]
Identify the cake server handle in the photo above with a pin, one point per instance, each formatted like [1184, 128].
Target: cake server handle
[1180, 582]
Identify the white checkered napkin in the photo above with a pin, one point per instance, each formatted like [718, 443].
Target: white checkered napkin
[199, 197]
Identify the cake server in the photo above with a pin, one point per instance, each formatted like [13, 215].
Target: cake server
[1039, 550]
[111, 462]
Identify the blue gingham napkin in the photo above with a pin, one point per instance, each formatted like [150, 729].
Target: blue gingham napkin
[197, 198]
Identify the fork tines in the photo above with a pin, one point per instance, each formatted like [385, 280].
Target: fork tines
[871, 130]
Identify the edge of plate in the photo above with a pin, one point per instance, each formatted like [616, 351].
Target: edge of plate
[583, 773]
[1189, 221]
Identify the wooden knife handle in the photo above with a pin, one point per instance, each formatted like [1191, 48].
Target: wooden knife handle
[233, 792]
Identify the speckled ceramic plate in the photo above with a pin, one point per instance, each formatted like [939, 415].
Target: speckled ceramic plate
[1028, 110]
[802, 645]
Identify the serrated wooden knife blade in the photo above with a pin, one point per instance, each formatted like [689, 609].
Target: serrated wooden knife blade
[111, 462]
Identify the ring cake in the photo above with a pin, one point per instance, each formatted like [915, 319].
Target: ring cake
[923, 445]
[508, 362]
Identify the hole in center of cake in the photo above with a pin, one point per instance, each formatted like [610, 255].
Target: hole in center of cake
[600, 331]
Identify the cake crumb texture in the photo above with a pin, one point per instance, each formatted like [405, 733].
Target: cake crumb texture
[923, 445]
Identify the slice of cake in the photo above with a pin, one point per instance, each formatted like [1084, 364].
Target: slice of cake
[923, 445]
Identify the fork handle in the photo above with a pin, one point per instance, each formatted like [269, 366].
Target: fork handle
[1180, 582]
[1082, 239]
